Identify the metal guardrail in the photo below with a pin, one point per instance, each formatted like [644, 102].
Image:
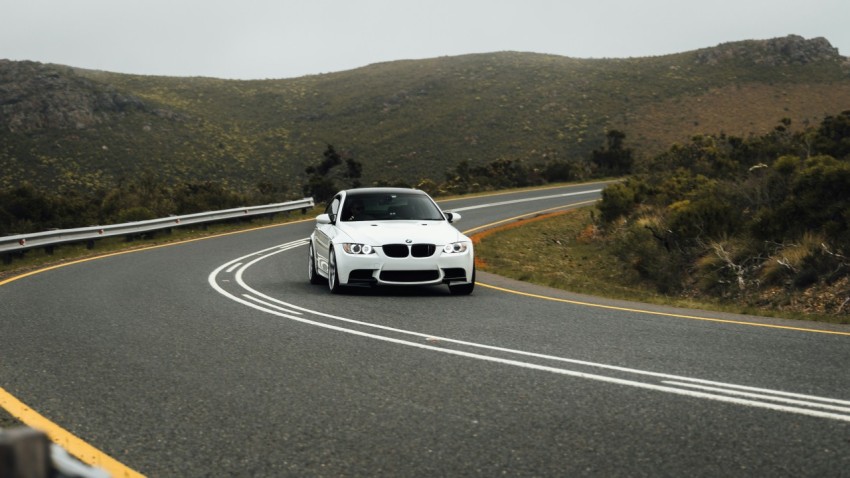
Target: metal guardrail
[26, 452]
[50, 239]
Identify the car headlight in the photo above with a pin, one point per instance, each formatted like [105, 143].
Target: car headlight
[357, 248]
[456, 248]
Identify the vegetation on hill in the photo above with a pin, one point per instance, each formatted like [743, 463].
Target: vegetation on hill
[740, 218]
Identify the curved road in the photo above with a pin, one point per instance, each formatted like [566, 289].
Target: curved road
[217, 358]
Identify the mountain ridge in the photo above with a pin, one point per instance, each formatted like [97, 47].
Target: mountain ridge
[65, 127]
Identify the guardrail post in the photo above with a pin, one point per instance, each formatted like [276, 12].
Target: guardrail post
[25, 452]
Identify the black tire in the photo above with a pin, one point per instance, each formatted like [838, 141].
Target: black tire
[312, 274]
[464, 289]
[333, 274]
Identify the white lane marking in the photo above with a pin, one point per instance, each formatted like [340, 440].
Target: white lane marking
[271, 305]
[233, 267]
[768, 391]
[516, 201]
[768, 396]
[212, 277]
[721, 390]
[435, 338]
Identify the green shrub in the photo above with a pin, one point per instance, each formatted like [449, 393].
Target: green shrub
[813, 197]
[647, 248]
[711, 212]
[618, 200]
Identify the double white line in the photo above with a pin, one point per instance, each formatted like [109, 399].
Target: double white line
[801, 404]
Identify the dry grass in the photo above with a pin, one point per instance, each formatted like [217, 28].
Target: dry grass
[562, 250]
[737, 110]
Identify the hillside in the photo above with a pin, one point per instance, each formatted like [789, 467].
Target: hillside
[62, 127]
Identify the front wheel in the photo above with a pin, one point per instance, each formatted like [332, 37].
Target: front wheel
[312, 274]
[464, 289]
[333, 274]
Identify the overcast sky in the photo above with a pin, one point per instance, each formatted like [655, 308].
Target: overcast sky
[257, 39]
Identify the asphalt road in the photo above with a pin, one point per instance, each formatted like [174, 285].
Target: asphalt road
[218, 358]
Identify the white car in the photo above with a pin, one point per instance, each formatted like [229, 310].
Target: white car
[389, 236]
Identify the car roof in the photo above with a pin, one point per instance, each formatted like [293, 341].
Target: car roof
[363, 191]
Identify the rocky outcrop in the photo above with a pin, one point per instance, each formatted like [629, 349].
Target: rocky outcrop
[34, 96]
[789, 50]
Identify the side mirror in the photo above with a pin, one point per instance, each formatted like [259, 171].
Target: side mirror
[323, 219]
[452, 217]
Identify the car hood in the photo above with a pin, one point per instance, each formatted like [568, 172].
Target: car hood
[377, 233]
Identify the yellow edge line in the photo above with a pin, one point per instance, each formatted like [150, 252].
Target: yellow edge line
[146, 248]
[77, 447]
[71, 443]
[642, 311]
[626, 309]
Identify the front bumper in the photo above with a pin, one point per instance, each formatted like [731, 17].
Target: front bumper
[379, 269]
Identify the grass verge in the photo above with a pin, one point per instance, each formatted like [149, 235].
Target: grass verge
[563, 250]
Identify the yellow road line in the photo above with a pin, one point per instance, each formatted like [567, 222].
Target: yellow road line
[145, 248]
[666, 314]
[75, 446]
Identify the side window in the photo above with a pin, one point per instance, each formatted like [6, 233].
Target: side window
[333, 209]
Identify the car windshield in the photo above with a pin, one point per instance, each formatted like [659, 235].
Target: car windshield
[389, 207]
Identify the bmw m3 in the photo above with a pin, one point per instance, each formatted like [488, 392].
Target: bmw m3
[389, 236]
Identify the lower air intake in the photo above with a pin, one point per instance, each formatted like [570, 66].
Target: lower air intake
[409, 276]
